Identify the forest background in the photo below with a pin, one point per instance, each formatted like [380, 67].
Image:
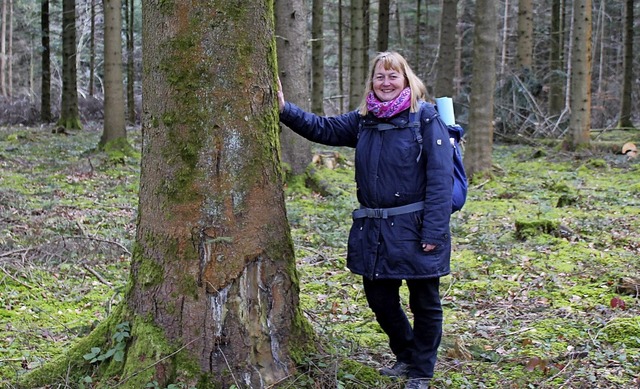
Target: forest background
[543, 280]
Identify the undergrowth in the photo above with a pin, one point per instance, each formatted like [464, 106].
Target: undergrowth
[533, 299]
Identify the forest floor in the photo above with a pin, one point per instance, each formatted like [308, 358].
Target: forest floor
[543, 291]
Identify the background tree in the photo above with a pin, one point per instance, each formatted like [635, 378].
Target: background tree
[114, 134]
[317, 56]
[356, 58]
[92, 48]
[445, 69]
[578, 134]
[556, 77]
[627, 68]
[69, 114]
[524, 60]
[479, 145]
[45, 95]
[10, 51]
[131, 100]
[3, 50]
[293, 66]
[383, 26]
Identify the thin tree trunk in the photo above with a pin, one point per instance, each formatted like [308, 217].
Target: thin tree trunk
[293, 65]
[556, 78]
[505, 38]
[3, 50]
[131, 80]
[578, 135]
[524, 55]
[69, 115]
[383, 25]
[10, 54]
[45, 100]
[417, 51]
[356, 65]
[447, 53]
[477, 158]
[317, 56]
[627, 68]
[114, 134]
[341, 90]
[599, 48]
[366, 26]
[92, 48]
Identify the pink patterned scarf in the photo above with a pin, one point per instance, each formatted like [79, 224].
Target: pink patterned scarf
[386, 109]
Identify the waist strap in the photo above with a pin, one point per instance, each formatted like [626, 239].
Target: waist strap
[383, 213]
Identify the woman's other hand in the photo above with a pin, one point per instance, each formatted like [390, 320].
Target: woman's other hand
[280, 96]
[426, 247]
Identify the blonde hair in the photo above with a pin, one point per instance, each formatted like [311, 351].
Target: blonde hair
[395, 61]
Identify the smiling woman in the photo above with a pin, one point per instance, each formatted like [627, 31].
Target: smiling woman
[401, 231]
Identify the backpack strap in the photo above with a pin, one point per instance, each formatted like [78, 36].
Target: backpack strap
[415, 127]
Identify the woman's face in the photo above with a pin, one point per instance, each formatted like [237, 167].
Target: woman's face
[387, 84]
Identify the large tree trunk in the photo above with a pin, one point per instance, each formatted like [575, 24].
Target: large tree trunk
[578, 135]
[45, 100]
[447, 54]
[214, 268]
[69, 115]
[627, 72]
[114, 133]
[293, 65]
[477, 158]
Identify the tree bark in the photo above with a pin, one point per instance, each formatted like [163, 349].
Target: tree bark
[479, 145]
[69, 115]
[114, 133]
[45, 99]
[293, 67]
[578, 135]
[214, 268]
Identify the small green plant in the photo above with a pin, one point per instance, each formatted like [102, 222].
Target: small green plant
[179, 385]
[117, 351]
[85, 382]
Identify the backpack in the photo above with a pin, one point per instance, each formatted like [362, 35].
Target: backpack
[460, 185]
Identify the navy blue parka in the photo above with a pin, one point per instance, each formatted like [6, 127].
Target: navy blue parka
[391, 170]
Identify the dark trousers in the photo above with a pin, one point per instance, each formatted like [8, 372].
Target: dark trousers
[417, 345]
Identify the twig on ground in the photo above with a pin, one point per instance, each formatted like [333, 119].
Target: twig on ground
[15, 279]
[96, 274]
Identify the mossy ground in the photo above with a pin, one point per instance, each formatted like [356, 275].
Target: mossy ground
[520, 311]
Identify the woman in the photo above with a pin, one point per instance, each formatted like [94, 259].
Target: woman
[404, 181]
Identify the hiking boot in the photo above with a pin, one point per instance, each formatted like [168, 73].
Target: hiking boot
[417, 383]
[399, 369]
